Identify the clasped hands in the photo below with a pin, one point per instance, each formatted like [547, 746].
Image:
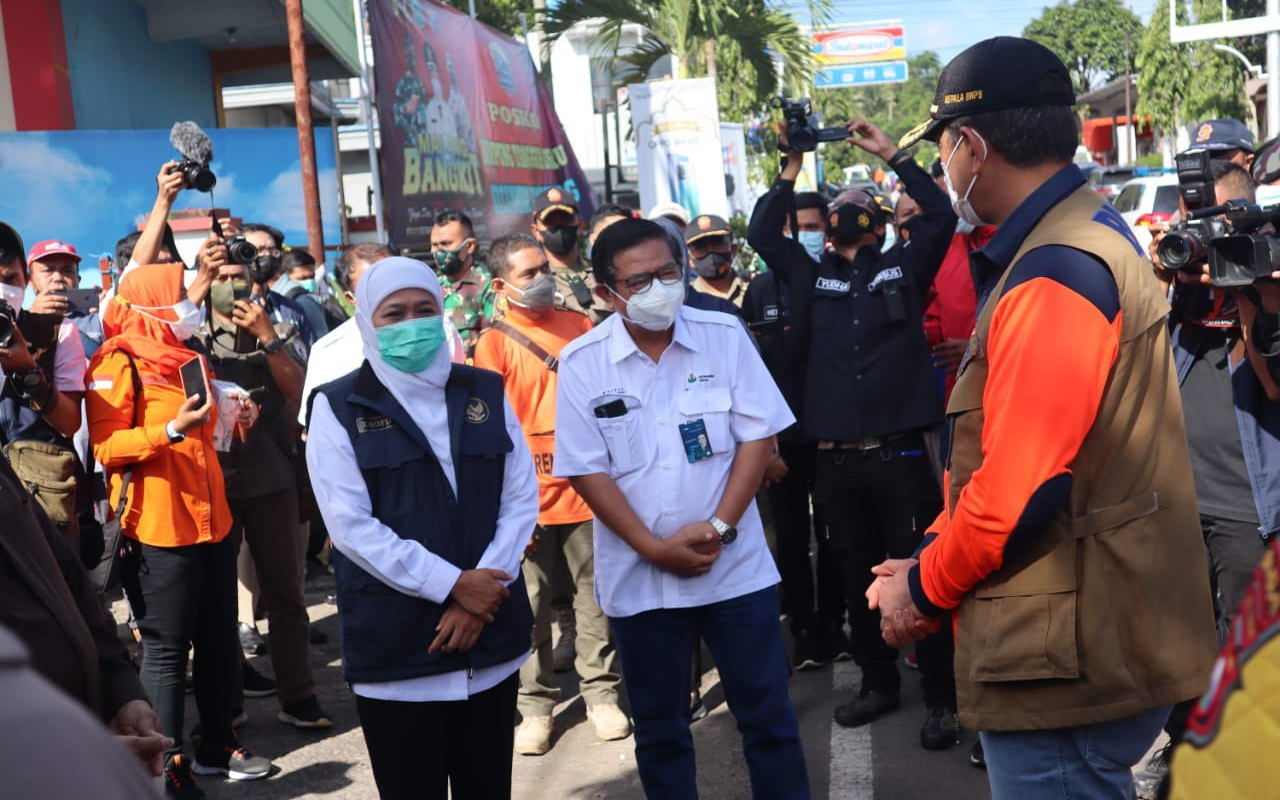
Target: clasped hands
[900, 621]
[476, 597]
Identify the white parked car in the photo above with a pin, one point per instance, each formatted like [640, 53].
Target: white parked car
[1143, 201]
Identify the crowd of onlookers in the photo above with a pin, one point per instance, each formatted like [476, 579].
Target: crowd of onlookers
[249, 419]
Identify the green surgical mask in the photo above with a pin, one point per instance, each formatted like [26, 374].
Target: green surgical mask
[222, 296]
[309, 284]
[411, 345]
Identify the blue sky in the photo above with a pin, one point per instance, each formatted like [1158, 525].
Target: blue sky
[949, 26]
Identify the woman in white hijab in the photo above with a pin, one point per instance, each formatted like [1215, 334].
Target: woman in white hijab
[429, 494]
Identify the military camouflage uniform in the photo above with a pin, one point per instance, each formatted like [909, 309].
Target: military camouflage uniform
[470, 304]
[573, 282]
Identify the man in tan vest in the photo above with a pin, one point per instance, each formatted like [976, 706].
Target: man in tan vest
[1069, 551]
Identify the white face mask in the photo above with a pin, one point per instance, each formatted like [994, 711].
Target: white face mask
[188, 322]
[655, 308]
[961, 205]
[13, 295]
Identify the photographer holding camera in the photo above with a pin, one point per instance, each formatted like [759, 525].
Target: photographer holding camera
[1208, 345]
[44, 364]
[870, 396]
[252, 347]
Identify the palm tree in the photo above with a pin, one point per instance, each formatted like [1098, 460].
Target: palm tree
[702, 37]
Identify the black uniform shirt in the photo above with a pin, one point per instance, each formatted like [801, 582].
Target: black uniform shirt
[869, 371]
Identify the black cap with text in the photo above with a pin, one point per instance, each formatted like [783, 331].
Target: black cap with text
[993, 75]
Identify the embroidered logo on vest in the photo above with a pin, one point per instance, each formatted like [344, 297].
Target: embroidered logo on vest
[831, 285]
[371, 424]
[477, 411]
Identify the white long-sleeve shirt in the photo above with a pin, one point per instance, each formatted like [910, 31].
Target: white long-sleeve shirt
[406, 565]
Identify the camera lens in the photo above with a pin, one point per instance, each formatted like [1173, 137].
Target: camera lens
[1180, 250]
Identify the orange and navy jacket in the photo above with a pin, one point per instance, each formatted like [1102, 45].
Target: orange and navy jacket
[1053, 339]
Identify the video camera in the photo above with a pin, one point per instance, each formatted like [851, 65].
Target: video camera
[1226, 236]
[803, 131]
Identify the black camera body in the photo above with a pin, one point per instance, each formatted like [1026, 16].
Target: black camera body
[803, 126]
[1186, 246]
[197, 175]
[242, 251]
[8, 320]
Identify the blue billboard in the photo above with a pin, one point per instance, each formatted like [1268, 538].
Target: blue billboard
[91, 188]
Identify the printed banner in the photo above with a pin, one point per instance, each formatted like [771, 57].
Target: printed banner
[465, 124]
[677, 130]
[733, 143]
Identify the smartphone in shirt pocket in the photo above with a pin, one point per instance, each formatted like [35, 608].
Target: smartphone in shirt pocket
[619, 423]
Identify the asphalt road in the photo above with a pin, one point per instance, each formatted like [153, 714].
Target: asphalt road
[883, 760]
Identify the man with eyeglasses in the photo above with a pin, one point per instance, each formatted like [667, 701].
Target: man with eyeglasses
[665, 421]
[870, 396]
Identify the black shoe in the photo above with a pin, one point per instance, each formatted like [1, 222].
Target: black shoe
[251, 642]
[838, 645]
[238, 721]
[232, 760]
[941, 730]
[697, 709]
[305, 714]
[810, 652]
[179, 783]
[975, 756]
[256, 684]
[866, 707]
[317, 636]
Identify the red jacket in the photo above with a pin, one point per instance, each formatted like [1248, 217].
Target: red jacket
[952, 308]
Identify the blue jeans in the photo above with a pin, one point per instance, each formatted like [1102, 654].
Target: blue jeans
[745, 638]
[1088, 761]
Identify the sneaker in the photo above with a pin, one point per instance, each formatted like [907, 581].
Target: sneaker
[179, 783]
[1147, 781]
[866, 707]
[911, 661]
[838, 645]
[941, 729]
[251, 642]
[256, 684]
[611, 724]
[810, 651]
[976, 758]
[305, 714]
[563, 653]
[533, 737]
[233, 760]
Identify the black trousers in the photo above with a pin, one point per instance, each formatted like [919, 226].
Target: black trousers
[420, 751]
[879, 503]
[790, 498]
[190, 601]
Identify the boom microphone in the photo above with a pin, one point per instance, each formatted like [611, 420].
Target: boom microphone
[197, 151]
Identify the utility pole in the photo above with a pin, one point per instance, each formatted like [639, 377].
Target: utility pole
[366, 103]
[1130, 134]
[306, 138]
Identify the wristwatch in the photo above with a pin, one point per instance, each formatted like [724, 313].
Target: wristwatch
[172, 433]
[274, 346]
[34, 388]
[727, 532]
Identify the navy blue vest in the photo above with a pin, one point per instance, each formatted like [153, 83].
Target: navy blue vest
[385, 633]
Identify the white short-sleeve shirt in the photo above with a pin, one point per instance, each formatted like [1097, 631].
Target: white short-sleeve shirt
[710, 372]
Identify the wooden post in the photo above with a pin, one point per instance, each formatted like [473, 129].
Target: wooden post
[306, 140]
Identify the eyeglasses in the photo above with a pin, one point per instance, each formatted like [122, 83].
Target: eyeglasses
[670, 274]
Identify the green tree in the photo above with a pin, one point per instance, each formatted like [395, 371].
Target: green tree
[754, 43]
[1182, 83]
[501, 15]
[1092, 37]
